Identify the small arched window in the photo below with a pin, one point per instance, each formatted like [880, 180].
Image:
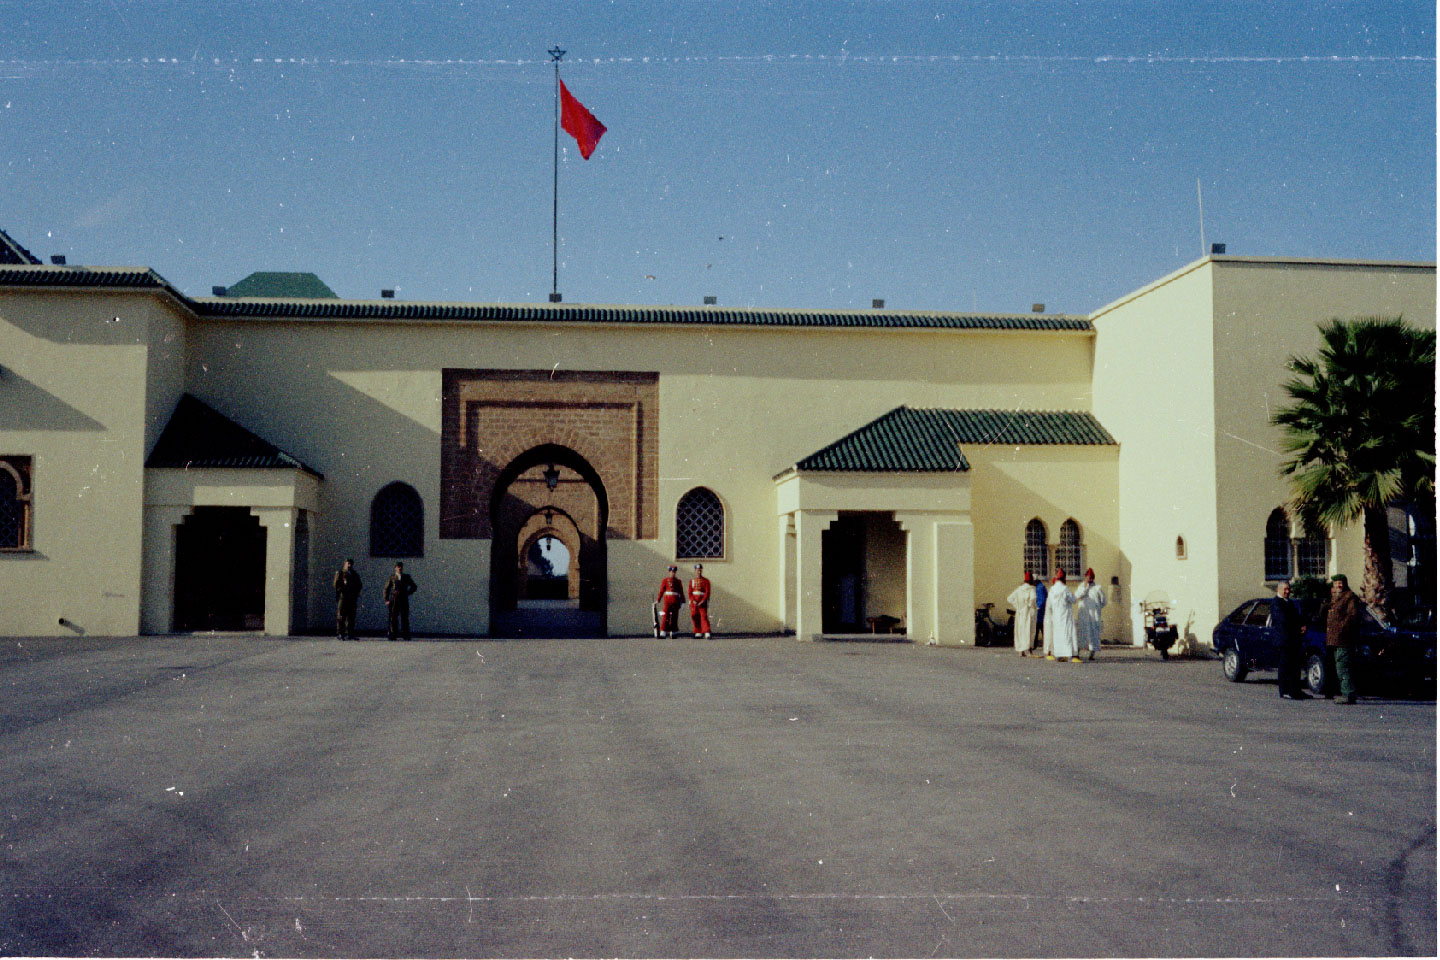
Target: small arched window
[1312, 554]
[699, 526]
[1277, 545]
[1180, 553]
[1037, 550]
[1070, 553]
[14, 503]
[397, 522]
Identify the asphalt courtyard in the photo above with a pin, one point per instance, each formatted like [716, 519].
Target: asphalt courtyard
[733, 797]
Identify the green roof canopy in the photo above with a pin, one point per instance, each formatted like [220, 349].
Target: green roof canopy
[928, 440]
[199, 436]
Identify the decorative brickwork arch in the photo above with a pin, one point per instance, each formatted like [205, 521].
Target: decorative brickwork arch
[555, 478]
[489, 418]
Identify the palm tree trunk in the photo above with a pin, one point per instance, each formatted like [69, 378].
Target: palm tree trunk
[1376, 589]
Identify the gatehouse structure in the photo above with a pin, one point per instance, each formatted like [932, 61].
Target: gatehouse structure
[173, 463]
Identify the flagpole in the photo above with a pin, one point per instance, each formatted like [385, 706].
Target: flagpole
[555, 54]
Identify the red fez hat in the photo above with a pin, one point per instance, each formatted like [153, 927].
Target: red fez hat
[1090, 572]
[1059, 573]
[1027, 576]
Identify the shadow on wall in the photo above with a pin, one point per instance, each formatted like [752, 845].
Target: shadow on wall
[26, 406]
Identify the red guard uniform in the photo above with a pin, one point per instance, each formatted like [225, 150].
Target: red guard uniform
[700, 604]
[669, 599]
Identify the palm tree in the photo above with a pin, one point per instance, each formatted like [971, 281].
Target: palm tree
[1361, 432]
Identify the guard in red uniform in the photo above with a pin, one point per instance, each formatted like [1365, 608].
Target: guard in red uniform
[669, 599]
[700, 603]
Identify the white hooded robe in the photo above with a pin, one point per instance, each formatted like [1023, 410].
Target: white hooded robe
[1023, 600]
[1060, 621]
[1090, 601]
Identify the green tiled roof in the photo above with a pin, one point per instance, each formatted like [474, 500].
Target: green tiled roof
[241, 302]
[927, 440]
[12, 252]
[301, 286]
[199, 436]
[591, 313]
[38, 275]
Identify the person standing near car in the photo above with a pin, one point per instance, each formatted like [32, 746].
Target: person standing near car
[1285, 619]
[1342, 623]
[1022, 599]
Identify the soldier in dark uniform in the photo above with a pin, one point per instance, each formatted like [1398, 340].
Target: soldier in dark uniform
[1285, 618]
[347, 596]
[397, 598]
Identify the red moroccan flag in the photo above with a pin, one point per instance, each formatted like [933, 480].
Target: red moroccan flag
[579, 122]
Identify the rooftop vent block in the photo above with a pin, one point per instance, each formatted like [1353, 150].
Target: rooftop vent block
[711, 301]
[217, 291]
[1217, 249]
[554, 298]
[58, 259]
[877, 304]
[388, 294]
[1037, 308]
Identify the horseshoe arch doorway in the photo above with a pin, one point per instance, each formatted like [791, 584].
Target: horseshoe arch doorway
[549, 491]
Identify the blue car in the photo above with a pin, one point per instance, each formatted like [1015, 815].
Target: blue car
[1387, 654]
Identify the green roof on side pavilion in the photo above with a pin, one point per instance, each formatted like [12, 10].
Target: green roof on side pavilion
[928, 440]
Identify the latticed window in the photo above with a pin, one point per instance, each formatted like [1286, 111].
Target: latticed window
[1312, 555]
[1070, 553]
[397, 522]
[1277, 545]
[699, 525]
[14, 503]
[1037, 550]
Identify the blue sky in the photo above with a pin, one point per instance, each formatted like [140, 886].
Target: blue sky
[942, 155]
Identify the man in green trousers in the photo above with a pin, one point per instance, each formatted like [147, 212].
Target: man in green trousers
[1342, 624]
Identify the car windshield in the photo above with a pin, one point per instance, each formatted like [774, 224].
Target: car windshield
[1420, 619]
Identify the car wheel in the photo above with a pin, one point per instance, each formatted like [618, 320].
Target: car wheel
[1235, 668]
[1315, 675]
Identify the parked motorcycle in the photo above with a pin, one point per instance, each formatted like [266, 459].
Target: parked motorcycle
[990, 632]
[1160, 633]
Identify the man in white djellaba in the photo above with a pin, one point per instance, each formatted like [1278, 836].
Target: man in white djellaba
[1022, 599]
[1089, 602]
[1060, 620]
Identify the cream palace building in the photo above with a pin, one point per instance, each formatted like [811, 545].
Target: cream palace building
[172, 463]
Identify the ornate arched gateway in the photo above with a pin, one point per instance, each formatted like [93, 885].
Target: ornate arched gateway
[548, 483]
[581, 446]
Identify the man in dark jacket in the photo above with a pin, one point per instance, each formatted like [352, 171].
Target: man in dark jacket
[1342, 625]
[397, 599]
[1285, 618]
[347, 596]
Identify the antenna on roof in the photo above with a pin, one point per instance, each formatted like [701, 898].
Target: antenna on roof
[1200, 199]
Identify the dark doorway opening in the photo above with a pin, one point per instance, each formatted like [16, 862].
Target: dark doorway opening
[220, 570]
[863, 580]
[548, 492]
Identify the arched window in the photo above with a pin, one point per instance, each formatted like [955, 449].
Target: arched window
[1277, 545]
[1037, 550]
[397, 522]
[1312, 555]
[1180, 553]
[699, 525]
[1069, 553]
[14, 503]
